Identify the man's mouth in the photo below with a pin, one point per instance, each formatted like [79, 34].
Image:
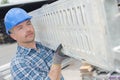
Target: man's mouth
[29, 34]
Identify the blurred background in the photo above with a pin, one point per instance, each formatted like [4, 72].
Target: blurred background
[8, 48]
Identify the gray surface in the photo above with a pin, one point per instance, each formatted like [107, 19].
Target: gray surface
[6, 53]
[73, 71]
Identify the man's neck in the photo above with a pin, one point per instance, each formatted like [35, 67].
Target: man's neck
[28, 44]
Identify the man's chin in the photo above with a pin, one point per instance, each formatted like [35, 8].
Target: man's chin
[30, 41]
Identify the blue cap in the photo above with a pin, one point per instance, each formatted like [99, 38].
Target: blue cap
[14, 17]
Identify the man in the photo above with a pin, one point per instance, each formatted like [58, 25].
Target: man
[33, 61]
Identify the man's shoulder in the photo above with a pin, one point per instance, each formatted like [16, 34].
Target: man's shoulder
[18, 59]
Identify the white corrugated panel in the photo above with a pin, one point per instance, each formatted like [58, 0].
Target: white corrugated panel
[82, 26]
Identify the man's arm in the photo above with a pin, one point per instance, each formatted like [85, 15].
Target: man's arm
[55, 71]
[21, 70]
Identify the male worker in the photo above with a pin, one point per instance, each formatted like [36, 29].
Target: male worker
[33, 61]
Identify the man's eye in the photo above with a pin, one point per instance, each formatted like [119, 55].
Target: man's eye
[29, 23]
[20, 28]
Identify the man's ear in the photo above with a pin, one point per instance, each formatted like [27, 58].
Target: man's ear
[13, 36]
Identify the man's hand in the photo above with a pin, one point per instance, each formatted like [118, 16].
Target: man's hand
[59, 56]
[55, 71]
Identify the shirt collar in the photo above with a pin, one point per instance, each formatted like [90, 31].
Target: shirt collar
[21, 49]
[25, 50]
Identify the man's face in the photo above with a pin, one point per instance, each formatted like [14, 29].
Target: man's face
[23, 32]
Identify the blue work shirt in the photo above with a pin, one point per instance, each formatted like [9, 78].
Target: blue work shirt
[32, 64]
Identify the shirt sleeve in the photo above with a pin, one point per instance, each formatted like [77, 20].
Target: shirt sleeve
[22, 71]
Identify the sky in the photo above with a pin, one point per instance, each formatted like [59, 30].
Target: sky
[20, 1]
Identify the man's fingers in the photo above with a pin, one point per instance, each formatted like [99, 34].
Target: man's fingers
[59, 48]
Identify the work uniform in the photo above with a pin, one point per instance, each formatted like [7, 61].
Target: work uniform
[32, 64]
